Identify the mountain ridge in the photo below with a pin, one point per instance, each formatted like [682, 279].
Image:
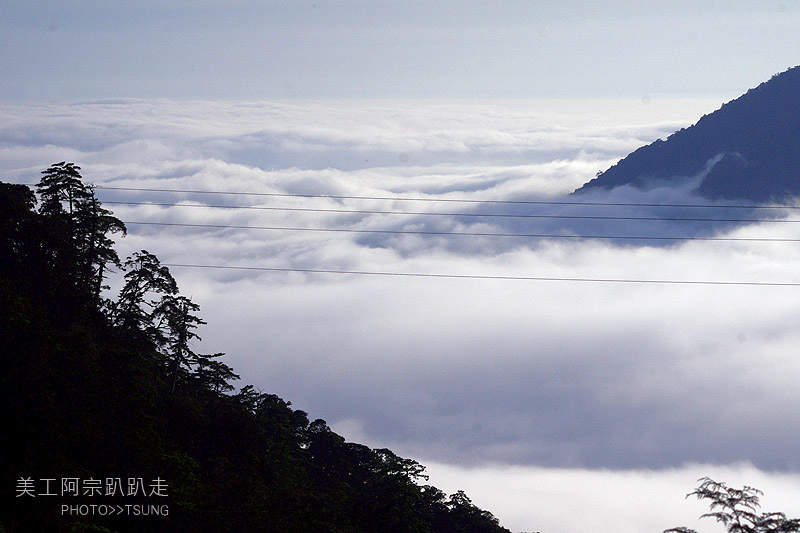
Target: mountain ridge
[745, 150]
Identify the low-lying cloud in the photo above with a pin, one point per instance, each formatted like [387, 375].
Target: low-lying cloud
[632, 501]
[470, 372]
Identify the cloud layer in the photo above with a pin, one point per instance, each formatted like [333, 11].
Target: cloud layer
[458, 372]
[632, 501]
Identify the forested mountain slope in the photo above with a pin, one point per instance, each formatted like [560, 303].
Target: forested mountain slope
[112, 422]
[748, 149]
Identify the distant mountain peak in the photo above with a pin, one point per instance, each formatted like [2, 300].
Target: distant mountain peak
[748, 149]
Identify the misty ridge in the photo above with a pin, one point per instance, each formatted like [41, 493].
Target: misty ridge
[703, 180]
[724, 168]
[439, 152]
[744, 154]
[746, 150]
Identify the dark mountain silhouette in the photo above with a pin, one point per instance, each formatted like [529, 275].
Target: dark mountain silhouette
[748, 149]
[111, 422]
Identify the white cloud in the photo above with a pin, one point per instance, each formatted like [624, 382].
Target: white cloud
[542, 378]
[565, 501]
[604, 375]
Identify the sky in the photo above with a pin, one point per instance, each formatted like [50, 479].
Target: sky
[560, 406]
[67, 50]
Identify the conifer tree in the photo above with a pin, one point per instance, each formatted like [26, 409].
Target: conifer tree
[61, 190]
[177, 319]
[145, 279]
[93, 225]
[78, 229]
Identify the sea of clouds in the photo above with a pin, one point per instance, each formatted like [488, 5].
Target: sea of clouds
[559, 405]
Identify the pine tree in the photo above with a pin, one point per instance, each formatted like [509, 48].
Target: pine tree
[78, 230]
[145, 279]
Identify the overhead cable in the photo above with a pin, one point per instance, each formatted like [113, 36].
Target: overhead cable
[458, 233]
[487, 277]
[428, 199]
[479, 215]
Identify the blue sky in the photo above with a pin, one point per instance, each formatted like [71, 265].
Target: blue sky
[378, 49]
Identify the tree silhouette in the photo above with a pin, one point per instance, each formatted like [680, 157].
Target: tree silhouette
[98, 388]
[176, 317]
[93, 225]
[78, 229]
[145, 278]
[61, 190]
[737, 510]
[212, 374]
[17, 228]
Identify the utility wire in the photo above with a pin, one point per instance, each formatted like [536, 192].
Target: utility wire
[455, 200]
[468, 276]
[458, 233]
[488, 277]
[423, 213]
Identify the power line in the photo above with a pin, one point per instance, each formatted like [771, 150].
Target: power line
[460, 233]
[487, 277]
[469, 276]
[480, 215]
[454, 200]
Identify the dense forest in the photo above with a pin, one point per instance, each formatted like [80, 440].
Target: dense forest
[114, 423]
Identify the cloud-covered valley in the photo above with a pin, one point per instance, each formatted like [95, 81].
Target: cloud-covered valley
[570, 372]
